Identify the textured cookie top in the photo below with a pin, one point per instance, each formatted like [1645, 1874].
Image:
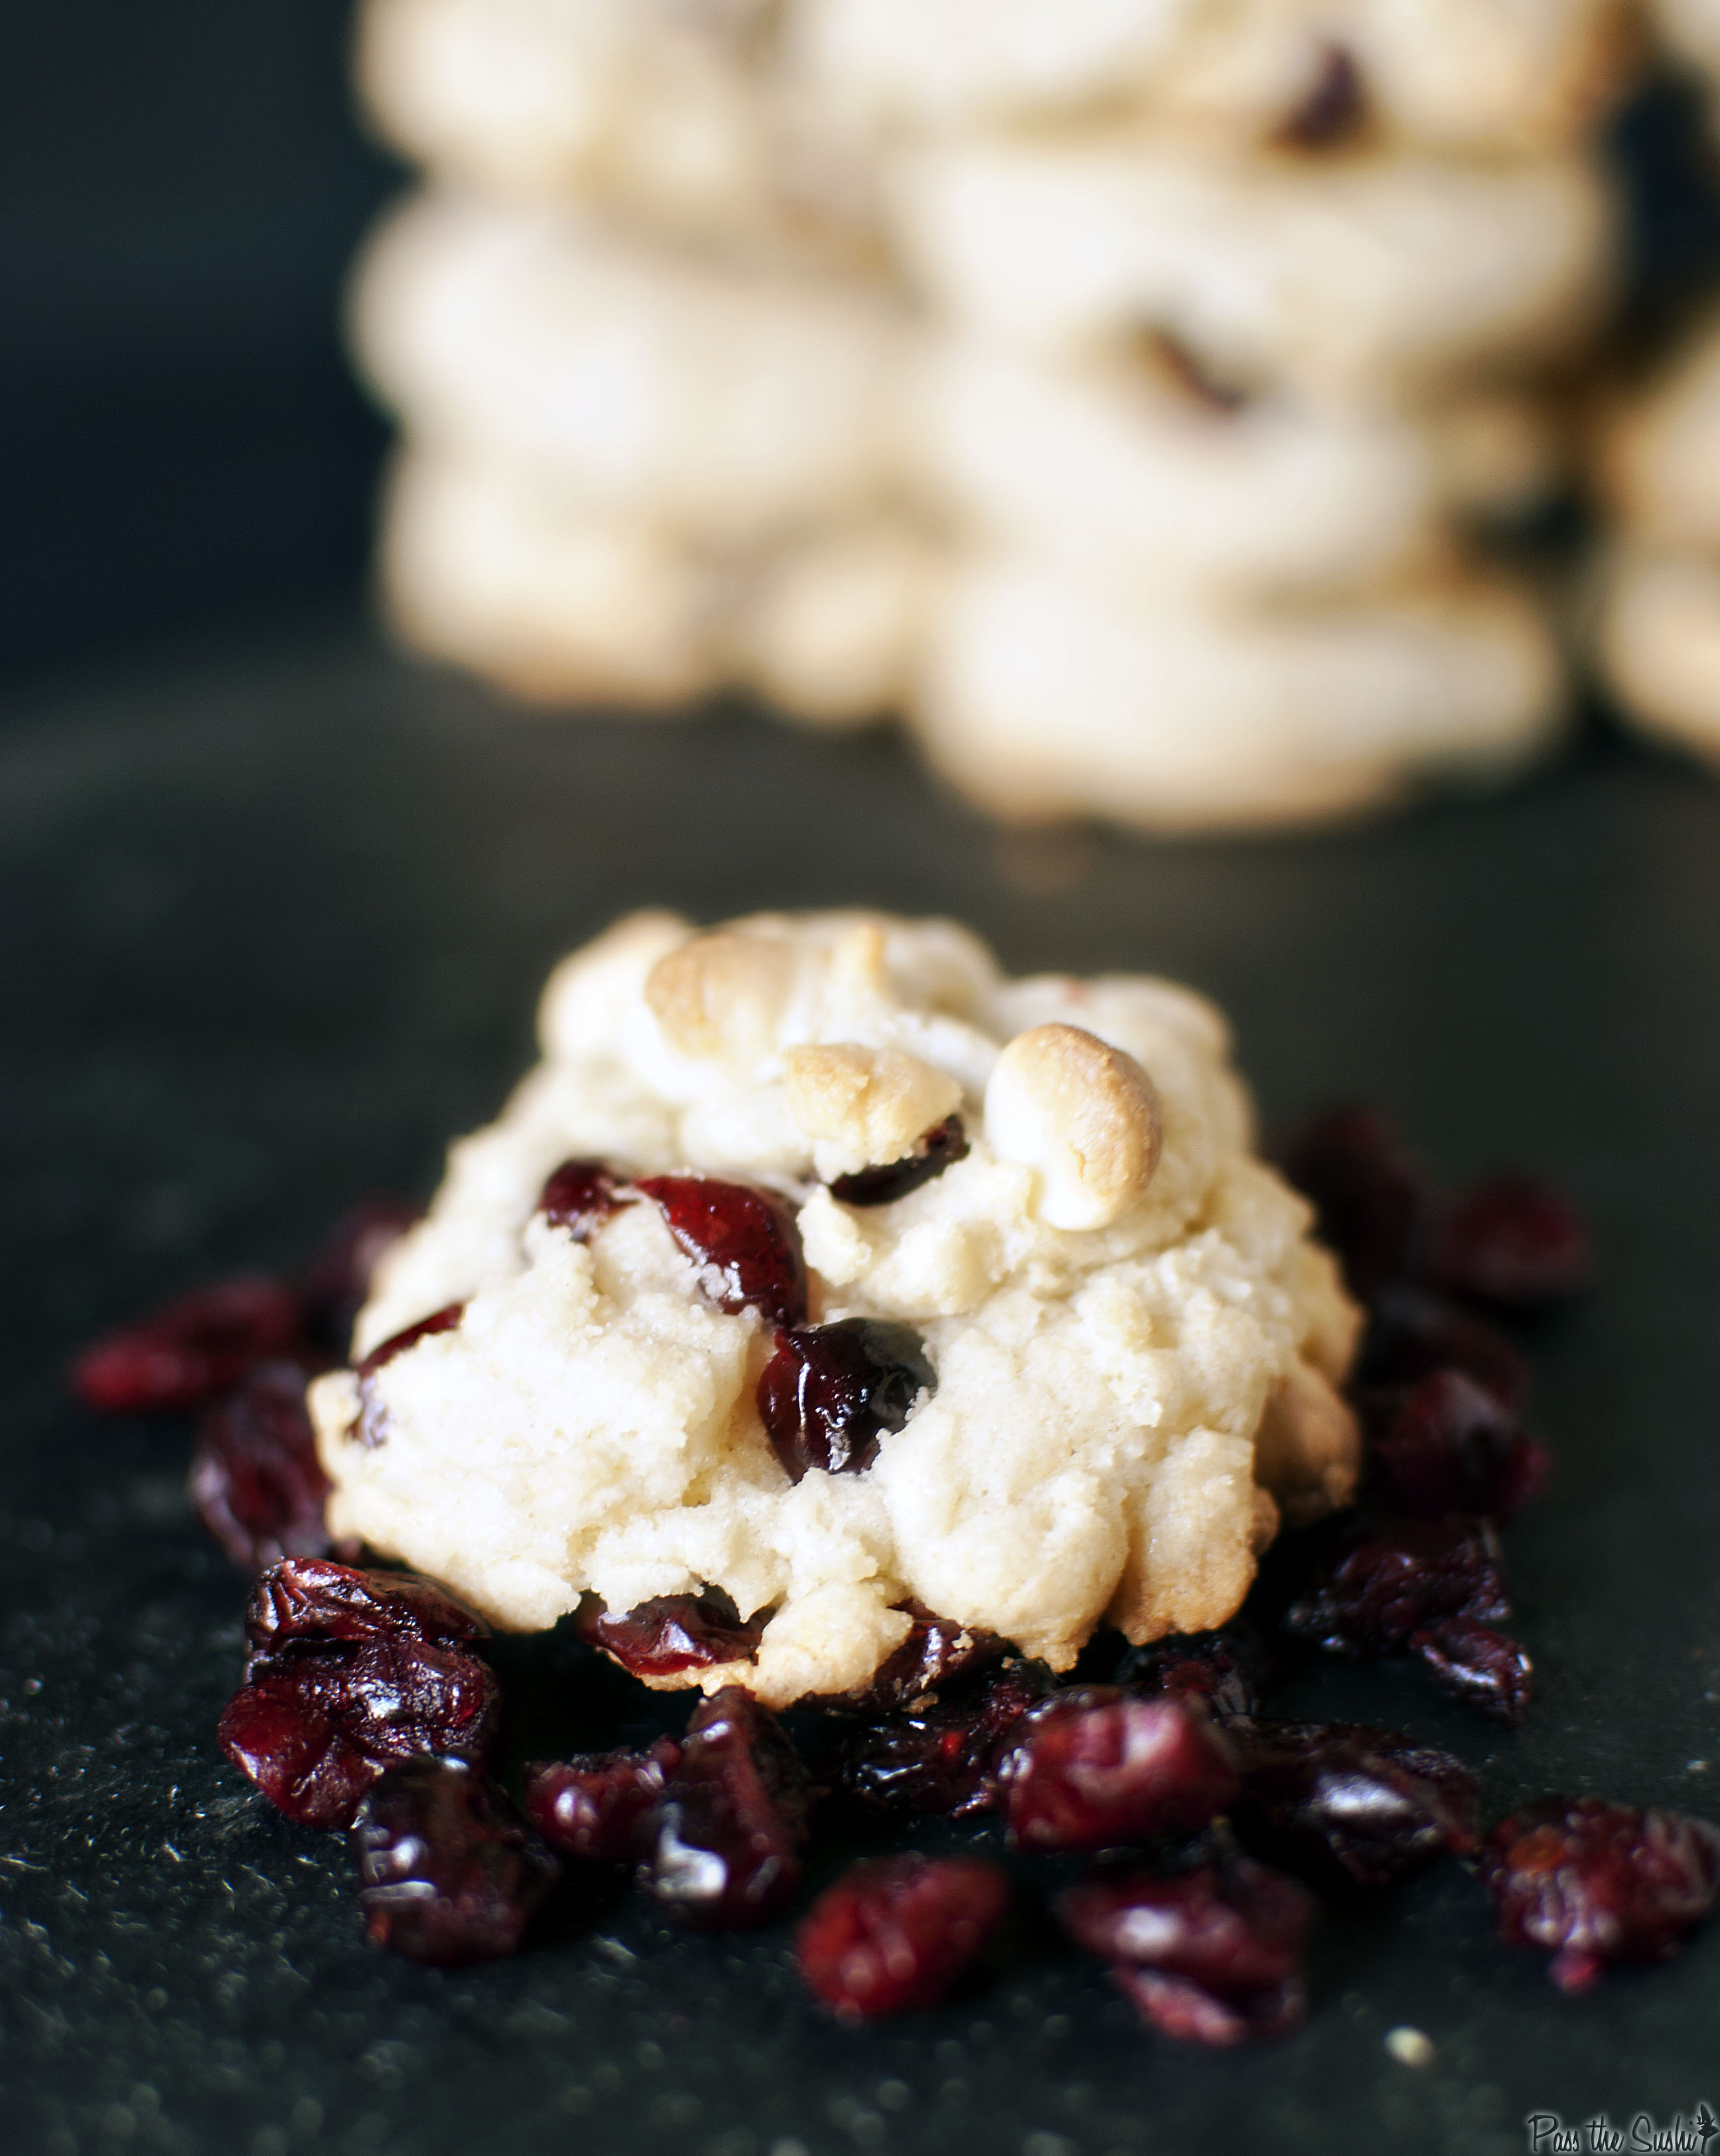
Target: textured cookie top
[1067, 1301]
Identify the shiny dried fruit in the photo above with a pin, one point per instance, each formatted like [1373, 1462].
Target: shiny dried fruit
[1211, 1954]
[896, 1933]
[1513, 1241]
[190, 1351]
[936, 1653]
[601, 1806]
[1095, 1767]
[830, 1391]
[1206, 1668]
[1385, 1582]
[732, 1820]
[1485, 1668]
[1450, 1446]
[311, 1601]
[1369, 1802]
[941, 1147]
[580, 1196]
[671, 1633]
[940, 1753]
[743, 1239]
[256, 1482]
[1598, 1882]
[448, 1873]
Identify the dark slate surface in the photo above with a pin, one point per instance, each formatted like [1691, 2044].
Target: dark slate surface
[273, 932]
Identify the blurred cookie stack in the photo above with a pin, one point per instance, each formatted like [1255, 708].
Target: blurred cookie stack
[1114, 388]
[1658, 618]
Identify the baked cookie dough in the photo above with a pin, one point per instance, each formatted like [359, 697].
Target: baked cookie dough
[1036, 1200]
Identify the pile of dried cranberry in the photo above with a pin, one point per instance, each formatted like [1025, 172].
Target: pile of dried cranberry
[368, 1704]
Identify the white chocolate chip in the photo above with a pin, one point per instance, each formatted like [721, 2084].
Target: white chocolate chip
[1083, 1114]
[865, 1105]
[721, 998]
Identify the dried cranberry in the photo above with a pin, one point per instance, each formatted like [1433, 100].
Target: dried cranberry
[1411, 1333]
[671, 1633]
[894, 1934]
[371, 1427]
[336, 1281]
[1515, 1242]
[731, 1819]
[940, 1147]
[1094, 1766]
[1333, 108]
[187, 1352]
[256, 1481]
[1368, 1801]
[1475, 1663]
[1598, 1883]
[1365, 1188]
[744, 1239]
[311, 1602]
[1450, 1446]
[601, 1805]
[830, 1391]
[313, 1728]
[1385, 1584]
[939, 1756]
[1211, 1955]
[580, 1196]
[1201, 1666]
[447, 1871]
[938, 1651]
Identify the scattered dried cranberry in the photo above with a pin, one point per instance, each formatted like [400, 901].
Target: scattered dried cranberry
[1598, 1883]
[447, 1872]
[309, 1601]
[1333, 108]
[313, 1729]
[940, 1754]
[189, 1351]
[894, 1934]
[1200, 1667]
[256, 1481]
[348, 1673]
[1211, 1955]
[1387, 1582]
[601, 1805]
[1450, 1447]
[744, 1238]
[731, 1819]
[940, 1147]
[1513, 1241]
[938, 1651]
[580, 1196]
[336, 1281]
[1095, 1767]
[1368, 1801]
[671, 1633]
[830, 1391]
[1475, 1663]
[1366, 1188]
[1411, 1333]
[370, 1429]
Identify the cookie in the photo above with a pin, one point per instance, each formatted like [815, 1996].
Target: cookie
[821, 1268]
[1456, 74]
[1657, 636]
[1140, 479]
[1659, 456]
[1365, 278]
[482, 565]
[1042, 698]
[641, 381]
[664, 113]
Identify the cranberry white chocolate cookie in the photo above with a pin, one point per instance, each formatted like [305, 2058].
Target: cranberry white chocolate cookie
[821, 1273]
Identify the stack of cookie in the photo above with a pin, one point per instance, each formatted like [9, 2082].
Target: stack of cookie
[1658, 616]
[1114, 389]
